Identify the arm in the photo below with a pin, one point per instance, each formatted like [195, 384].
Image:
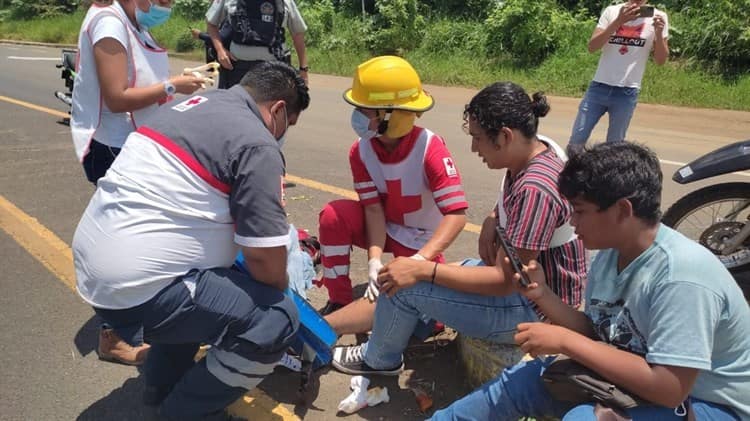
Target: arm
[607, 27]
[661, 45]
[225, 57]
[662, 384]
[299, 46]
[267, 265]
[375, 228]
[112, 71]
[447, 231]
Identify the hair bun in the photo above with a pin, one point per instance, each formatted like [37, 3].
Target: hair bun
[539, 105]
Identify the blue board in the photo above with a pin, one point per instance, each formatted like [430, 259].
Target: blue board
[314, 332]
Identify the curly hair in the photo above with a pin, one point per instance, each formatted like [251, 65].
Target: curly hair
[275, 80]
[608, 172]
[506, 104]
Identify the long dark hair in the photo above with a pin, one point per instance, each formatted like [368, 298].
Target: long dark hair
[505, 104]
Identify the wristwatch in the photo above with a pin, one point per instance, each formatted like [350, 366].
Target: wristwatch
[169, 88]
[304, 68]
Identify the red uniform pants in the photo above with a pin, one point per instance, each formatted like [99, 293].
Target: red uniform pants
[342, 225]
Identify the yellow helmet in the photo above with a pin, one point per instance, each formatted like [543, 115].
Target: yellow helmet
[388, 82]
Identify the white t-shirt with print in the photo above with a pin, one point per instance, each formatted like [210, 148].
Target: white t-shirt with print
[625, 54]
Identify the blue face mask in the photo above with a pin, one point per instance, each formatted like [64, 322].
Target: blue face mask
[155, 16]
[361, 125]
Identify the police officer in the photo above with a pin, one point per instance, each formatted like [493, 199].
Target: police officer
[257, 33]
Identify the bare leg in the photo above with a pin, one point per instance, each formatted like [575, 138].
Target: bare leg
[353, 318]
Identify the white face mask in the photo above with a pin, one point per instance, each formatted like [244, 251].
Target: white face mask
[361, 125]
[281, 139]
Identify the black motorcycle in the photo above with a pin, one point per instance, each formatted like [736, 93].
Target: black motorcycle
[68, 74]
[718, 216]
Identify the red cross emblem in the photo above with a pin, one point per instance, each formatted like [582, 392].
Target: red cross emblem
[397, 205]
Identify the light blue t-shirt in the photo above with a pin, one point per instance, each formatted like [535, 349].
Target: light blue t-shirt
[677, 305]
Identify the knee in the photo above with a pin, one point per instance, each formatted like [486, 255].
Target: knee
[336, 214]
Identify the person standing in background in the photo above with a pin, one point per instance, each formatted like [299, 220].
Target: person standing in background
[257, 33]
[626, 34]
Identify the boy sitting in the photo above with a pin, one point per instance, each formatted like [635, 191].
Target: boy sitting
[663, 319]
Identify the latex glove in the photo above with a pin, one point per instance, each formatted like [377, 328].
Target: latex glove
[373, 288]
[417, 256]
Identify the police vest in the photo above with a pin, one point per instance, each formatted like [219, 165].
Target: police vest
[258, 22]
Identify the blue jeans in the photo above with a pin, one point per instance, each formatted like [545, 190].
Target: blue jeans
[601, 98]
[519, 392]
[481, 316]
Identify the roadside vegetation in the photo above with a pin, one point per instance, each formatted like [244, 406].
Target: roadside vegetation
[538, 43]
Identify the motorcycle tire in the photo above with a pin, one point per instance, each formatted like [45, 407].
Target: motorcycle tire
[702, 198]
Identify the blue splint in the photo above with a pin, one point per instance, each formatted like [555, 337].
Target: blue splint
[315, 337]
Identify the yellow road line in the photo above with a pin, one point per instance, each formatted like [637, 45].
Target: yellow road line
[35, 107]
[57, 257]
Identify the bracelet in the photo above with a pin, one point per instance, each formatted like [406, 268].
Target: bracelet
[434, 272]
[304, 68]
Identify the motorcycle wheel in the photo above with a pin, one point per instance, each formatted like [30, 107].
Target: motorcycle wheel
[700, 216]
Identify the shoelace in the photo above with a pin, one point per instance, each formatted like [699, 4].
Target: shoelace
[354, 355]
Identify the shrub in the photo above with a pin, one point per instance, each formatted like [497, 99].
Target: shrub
[24, 9]
[398, 26]
[447, 35]
[191, 9]
[717, 36]
[531, 30]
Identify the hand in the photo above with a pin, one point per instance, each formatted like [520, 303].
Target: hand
[373, 288]
[187, 84]
[658, 26]
[401, 273]
[488, 241]
[304, 74]
[225, 58]
[542, 338]
[195, 32]
[537, 288]
[629, 11]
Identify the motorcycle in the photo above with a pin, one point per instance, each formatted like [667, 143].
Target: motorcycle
[68, 74]
[717, 216]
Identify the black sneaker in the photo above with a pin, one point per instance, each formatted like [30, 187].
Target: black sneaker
[330, 307]
[351, 360]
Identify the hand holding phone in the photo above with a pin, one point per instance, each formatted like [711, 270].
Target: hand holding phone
[512, 254]
[646, 11]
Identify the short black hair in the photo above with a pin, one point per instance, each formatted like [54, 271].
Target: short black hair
[506, 104]
[274, 81]
[608, 172]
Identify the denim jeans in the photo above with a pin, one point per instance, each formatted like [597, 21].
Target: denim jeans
[519, 392]
[601, 98]
[480, 316]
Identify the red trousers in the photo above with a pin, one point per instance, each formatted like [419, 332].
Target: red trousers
[341, 226]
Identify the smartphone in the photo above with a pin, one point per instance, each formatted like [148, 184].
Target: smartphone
[510, 251]
[647, 11]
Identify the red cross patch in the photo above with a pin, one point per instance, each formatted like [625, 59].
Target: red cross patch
[450, 168]
[189, 103]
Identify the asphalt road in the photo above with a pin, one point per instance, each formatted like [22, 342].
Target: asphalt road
[47, 334]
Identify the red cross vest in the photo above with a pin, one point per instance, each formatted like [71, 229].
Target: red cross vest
[410, 210]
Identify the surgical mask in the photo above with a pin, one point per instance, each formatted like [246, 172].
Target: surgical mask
[361, 125]
[155, 16]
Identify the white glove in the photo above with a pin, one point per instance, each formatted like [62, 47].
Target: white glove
[373, 288]
[417, 257]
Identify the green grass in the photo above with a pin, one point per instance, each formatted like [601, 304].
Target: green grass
[565, 73]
